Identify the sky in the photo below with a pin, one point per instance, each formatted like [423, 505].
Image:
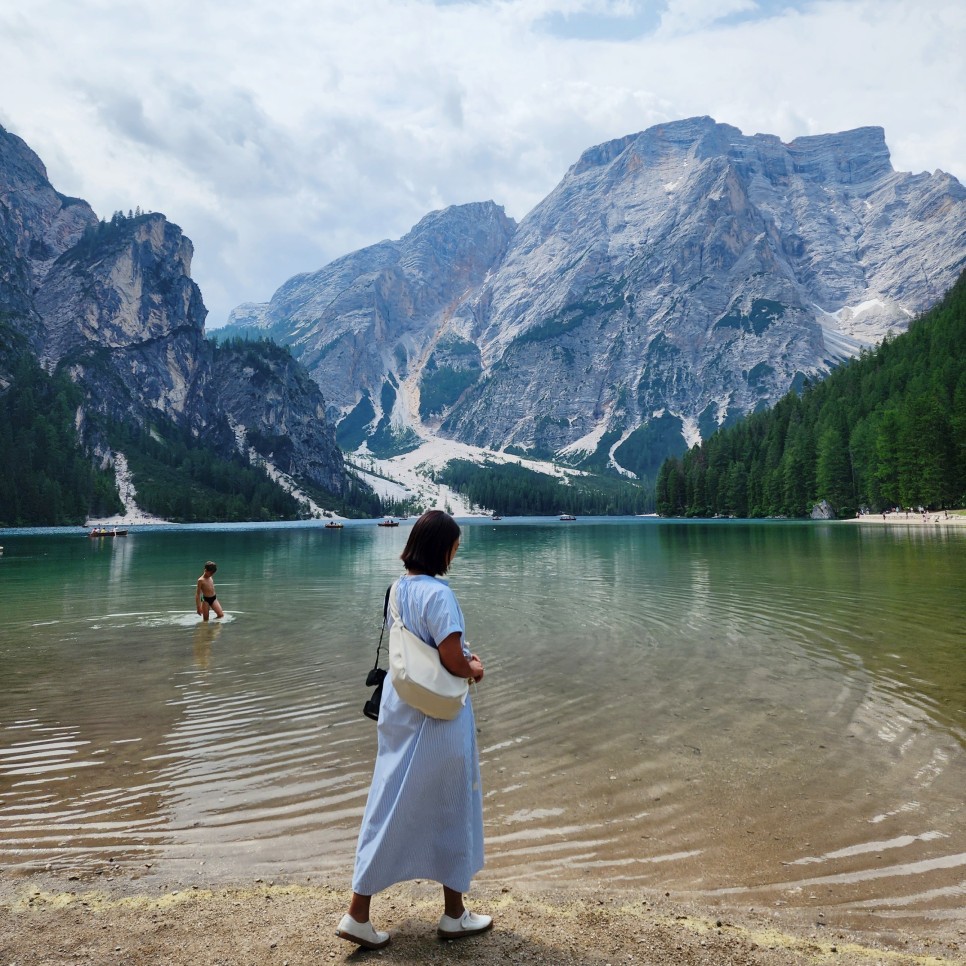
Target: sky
[281, 135]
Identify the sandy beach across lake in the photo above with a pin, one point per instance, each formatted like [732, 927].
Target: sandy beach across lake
[45, 920]
[936, 518]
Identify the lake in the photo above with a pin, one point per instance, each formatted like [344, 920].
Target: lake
[760, 714]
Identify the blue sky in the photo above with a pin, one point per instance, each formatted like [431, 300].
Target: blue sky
[282, 135]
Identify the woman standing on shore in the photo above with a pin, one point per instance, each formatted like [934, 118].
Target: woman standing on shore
[424, 814]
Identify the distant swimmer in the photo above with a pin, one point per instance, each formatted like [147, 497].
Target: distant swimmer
[205, 599]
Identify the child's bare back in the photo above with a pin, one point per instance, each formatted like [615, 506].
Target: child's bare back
[206, 600]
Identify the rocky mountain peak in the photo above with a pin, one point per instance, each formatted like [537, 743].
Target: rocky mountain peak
[673, 280]
[37, 223]
[859, 158]
[365, 322]
[124, 283]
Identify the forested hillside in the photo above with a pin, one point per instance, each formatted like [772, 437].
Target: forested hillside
[888, 429]
[46, 478]
[517, 491]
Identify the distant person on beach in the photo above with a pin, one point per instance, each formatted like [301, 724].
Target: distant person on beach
[424, 813]
[205, 599]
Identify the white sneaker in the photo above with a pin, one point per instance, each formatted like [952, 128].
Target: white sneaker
[469, 924]
[361, 933]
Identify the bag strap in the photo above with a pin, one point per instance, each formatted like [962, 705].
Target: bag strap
[385, 612]
[392, 600]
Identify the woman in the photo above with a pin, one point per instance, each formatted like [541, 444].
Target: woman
[424, 814]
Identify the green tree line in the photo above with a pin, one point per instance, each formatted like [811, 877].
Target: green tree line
[887, 429]
[514, 490]
[46, 478]
[178, 479]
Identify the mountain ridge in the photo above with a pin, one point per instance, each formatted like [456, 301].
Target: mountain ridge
[672, 281]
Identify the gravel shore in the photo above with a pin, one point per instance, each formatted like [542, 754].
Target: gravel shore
[52, 922]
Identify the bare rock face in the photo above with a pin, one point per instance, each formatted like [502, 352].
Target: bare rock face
[371, 319]
[274, 403]
[119, 310]
[37, 224]
[124, 283]
[696, 274]
[822, 511]
[674, 280]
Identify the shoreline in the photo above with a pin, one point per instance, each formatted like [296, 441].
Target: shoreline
[955, 519]
[58, 919]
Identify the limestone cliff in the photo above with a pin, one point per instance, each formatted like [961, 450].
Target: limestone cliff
[367, 322]
[689, 274]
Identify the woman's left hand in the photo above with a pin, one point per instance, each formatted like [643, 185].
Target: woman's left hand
[455, 661]
[476, 666]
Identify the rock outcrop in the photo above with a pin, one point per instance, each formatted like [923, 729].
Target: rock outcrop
[365, 323]
[276, 408]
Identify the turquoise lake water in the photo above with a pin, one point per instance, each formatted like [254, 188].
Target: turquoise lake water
[756, 713]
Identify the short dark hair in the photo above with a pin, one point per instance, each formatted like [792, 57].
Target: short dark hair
[430, 541]
[211, 566]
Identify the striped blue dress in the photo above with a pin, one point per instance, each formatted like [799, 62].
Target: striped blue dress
[424, 813]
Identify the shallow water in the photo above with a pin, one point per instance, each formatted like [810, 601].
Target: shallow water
[767, 713]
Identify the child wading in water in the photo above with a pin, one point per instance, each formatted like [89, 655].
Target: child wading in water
[205, 599]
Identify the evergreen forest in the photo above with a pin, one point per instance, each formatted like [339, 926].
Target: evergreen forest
[180, 480]
[46, 479]
[514, 490]
[885, 430]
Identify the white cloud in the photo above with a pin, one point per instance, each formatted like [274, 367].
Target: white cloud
[687, 16]
[280, 136]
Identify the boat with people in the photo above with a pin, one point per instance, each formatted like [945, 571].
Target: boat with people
[388, 522]
[333, 525]
[567, 516]
[105, 532]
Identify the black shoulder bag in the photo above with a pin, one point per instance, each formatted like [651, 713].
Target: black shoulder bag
[375, 678]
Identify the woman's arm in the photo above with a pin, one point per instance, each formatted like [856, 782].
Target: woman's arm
[452, 657]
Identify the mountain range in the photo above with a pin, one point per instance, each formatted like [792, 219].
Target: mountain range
[673, 281]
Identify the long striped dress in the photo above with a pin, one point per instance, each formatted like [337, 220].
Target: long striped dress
[424, 814]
